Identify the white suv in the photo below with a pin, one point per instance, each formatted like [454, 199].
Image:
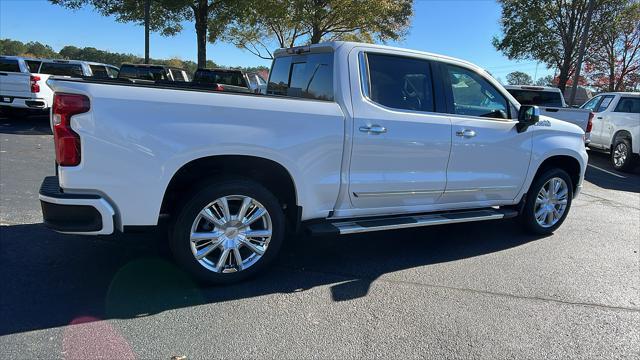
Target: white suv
[616, 126]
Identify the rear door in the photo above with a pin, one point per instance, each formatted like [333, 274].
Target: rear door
[602, 122]
[400, 143]
[14, 80]
[489, 158]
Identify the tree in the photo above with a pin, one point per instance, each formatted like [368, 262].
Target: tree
[519, 78]
[549, 31]
[546, 81]
[613, 62]
[297, 22]
[211, 17]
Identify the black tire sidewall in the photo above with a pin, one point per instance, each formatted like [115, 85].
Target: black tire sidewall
[528, 213]
[179, 236]
[628, 161]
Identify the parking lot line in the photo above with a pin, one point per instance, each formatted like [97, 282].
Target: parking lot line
[607, 171]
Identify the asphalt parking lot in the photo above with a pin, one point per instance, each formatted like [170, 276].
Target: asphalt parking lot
[479, 290]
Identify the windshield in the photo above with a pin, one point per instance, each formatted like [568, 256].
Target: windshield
[533, 97]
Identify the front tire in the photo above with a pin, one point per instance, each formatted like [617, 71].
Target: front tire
[621, 155]
[548, 202]
[228, 231]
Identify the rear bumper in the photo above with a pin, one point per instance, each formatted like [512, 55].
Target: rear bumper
[24, 103]
[85, 214]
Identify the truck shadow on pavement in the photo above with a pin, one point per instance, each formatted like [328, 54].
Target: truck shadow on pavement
[601, 173]
[51, 280]
[31, 125]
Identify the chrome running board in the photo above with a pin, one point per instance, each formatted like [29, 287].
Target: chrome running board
[343, 227]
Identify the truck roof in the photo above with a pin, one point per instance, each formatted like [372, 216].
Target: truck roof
[334, 45]
[625, 93]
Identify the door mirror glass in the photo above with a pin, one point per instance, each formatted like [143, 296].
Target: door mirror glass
[527, 115]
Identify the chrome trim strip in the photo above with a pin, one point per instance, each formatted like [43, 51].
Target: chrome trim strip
[429, 192]
[396, 193]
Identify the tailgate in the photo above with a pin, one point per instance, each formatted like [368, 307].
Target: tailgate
[578, 117]
[14, 84]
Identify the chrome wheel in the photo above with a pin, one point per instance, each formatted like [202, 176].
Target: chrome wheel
[551, 202]
[231, 234]
[620, 154]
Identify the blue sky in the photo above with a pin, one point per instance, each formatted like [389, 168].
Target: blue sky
[458, 28]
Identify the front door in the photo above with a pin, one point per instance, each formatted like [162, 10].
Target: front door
[400, 144]
[489, 158]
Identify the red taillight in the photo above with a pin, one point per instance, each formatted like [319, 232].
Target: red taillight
[35, 87]
[219, 87]
[67, 142]
[590, 123]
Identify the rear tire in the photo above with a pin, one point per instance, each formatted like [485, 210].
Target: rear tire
[548, 202]
[228, 231]
[621, 154]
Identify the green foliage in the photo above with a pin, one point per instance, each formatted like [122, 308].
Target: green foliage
[546, 81]
[519, 78]
[296, 22]
[69, 52]
[549, 31]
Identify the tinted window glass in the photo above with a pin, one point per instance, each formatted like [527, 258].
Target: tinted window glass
[234, 78]
[34, 66]
[113, 72]
[400, 82]
[177, 75]
[533, 97]
[153, 73]
[605, 103]
[63, 69]
[591, 104]
[629, 105]
[99, 71]
[9, 65]
[475, 96]
[307, 76]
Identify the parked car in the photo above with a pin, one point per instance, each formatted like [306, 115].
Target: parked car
[350, 138]
[151, 72]
[552, 104]
[22, 88]
[222, 79]
[616, 126]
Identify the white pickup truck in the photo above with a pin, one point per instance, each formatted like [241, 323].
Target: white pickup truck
[350, 138]
[22, 88]
[616, 127]
[552, 104]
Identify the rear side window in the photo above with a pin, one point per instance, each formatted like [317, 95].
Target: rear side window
[113, 72]
[9, 65]
[62, 69]
[533, 97]
[400, 82]
[234, 78]
[34, 66]
[304, 76]
[153, 73]
[99, 71]
[628, 105]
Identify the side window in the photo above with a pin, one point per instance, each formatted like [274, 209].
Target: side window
[400, 82]
[591, 104]
[306, 76]
[605, 103]
[628, 105]
[113, 72]
[9, 65]
[475, 96]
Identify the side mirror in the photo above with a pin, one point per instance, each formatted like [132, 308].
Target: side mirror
[527, 116]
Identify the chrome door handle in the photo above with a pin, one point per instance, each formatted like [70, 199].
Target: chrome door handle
[373, 129]
[466, 133]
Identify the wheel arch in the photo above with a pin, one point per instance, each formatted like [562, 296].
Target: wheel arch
[622, 133]
[567, 163]
[269, 173]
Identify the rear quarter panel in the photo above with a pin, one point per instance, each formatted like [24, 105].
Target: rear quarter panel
[134, 139]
